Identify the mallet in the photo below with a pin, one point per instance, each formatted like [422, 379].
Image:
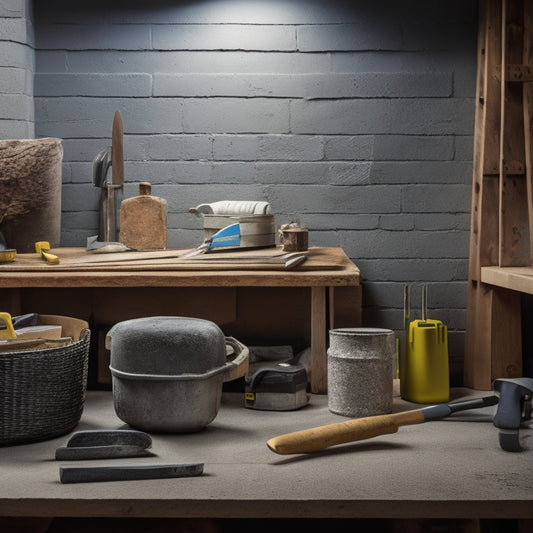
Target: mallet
[319, 438]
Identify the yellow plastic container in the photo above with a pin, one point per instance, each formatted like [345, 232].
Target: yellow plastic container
[424, 369]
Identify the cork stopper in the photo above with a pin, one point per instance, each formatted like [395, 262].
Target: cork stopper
[145, 188]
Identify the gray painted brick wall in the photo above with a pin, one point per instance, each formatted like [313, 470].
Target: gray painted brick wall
[356, 118]
[17, 65]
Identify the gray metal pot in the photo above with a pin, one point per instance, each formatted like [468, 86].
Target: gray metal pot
[167, 372]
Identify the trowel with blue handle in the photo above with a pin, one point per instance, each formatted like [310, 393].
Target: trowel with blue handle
[228, 237]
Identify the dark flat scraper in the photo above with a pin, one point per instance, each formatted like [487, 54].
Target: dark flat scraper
[104, 444]
[82, 474]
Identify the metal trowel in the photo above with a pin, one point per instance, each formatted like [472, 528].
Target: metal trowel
[108, 444]
[111, 189]
[230, 236]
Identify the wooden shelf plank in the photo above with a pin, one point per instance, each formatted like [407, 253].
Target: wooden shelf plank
[514, 278]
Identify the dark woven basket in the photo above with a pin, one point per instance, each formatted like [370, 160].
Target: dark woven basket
[42, 392]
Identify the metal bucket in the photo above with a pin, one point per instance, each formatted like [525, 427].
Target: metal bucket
[168, 372]
[360, 371]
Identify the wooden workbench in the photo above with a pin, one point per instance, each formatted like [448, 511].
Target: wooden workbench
[448, 469]
[250, 293]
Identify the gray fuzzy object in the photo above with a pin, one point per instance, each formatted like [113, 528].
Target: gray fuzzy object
[30, 192]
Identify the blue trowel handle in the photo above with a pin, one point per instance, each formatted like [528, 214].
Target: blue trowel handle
[228, 236]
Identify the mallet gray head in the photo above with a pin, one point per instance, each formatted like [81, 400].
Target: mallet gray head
[514, 407]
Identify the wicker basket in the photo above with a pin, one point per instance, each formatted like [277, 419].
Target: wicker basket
[42, 392]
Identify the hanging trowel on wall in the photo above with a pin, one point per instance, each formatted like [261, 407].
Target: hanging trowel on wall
[115, 189]
[111, 189]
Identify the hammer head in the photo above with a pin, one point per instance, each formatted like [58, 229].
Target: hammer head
[514, 406]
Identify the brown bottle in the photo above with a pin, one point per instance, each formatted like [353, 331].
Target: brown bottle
[143, 220]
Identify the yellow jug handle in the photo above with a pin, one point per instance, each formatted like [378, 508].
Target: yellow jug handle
[7, 332]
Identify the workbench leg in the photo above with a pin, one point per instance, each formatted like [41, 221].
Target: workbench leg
[493, 336]
[319, 377]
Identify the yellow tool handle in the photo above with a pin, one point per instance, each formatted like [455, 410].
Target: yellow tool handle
[9, 331]
[319, 438]
[43, 247]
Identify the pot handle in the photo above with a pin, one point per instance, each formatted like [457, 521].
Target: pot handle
[238, 366]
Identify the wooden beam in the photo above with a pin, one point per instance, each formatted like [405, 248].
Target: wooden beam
[499, 221]
[513, 223]
[528, 117]
[485, 201]
[518, 73]
[319, 371]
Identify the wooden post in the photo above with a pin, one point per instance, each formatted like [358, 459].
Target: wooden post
[528, 114]
[319, 371]
[513, 223]
[501, 192]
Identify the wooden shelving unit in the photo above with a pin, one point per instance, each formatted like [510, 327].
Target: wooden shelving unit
[502, 202]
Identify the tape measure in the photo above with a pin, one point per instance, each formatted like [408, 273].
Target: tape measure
[276, 387]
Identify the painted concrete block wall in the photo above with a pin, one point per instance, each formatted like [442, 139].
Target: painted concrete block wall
[355, 118]
[17, 65]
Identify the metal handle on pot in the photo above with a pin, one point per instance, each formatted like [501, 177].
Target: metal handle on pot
[233, 369]
[238, 367]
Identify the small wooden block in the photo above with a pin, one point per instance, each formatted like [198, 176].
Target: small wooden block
[295, 239]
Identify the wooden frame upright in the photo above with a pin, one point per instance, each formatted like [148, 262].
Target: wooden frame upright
[502, 213]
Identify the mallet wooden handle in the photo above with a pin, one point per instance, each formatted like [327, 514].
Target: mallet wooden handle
[316, 439]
